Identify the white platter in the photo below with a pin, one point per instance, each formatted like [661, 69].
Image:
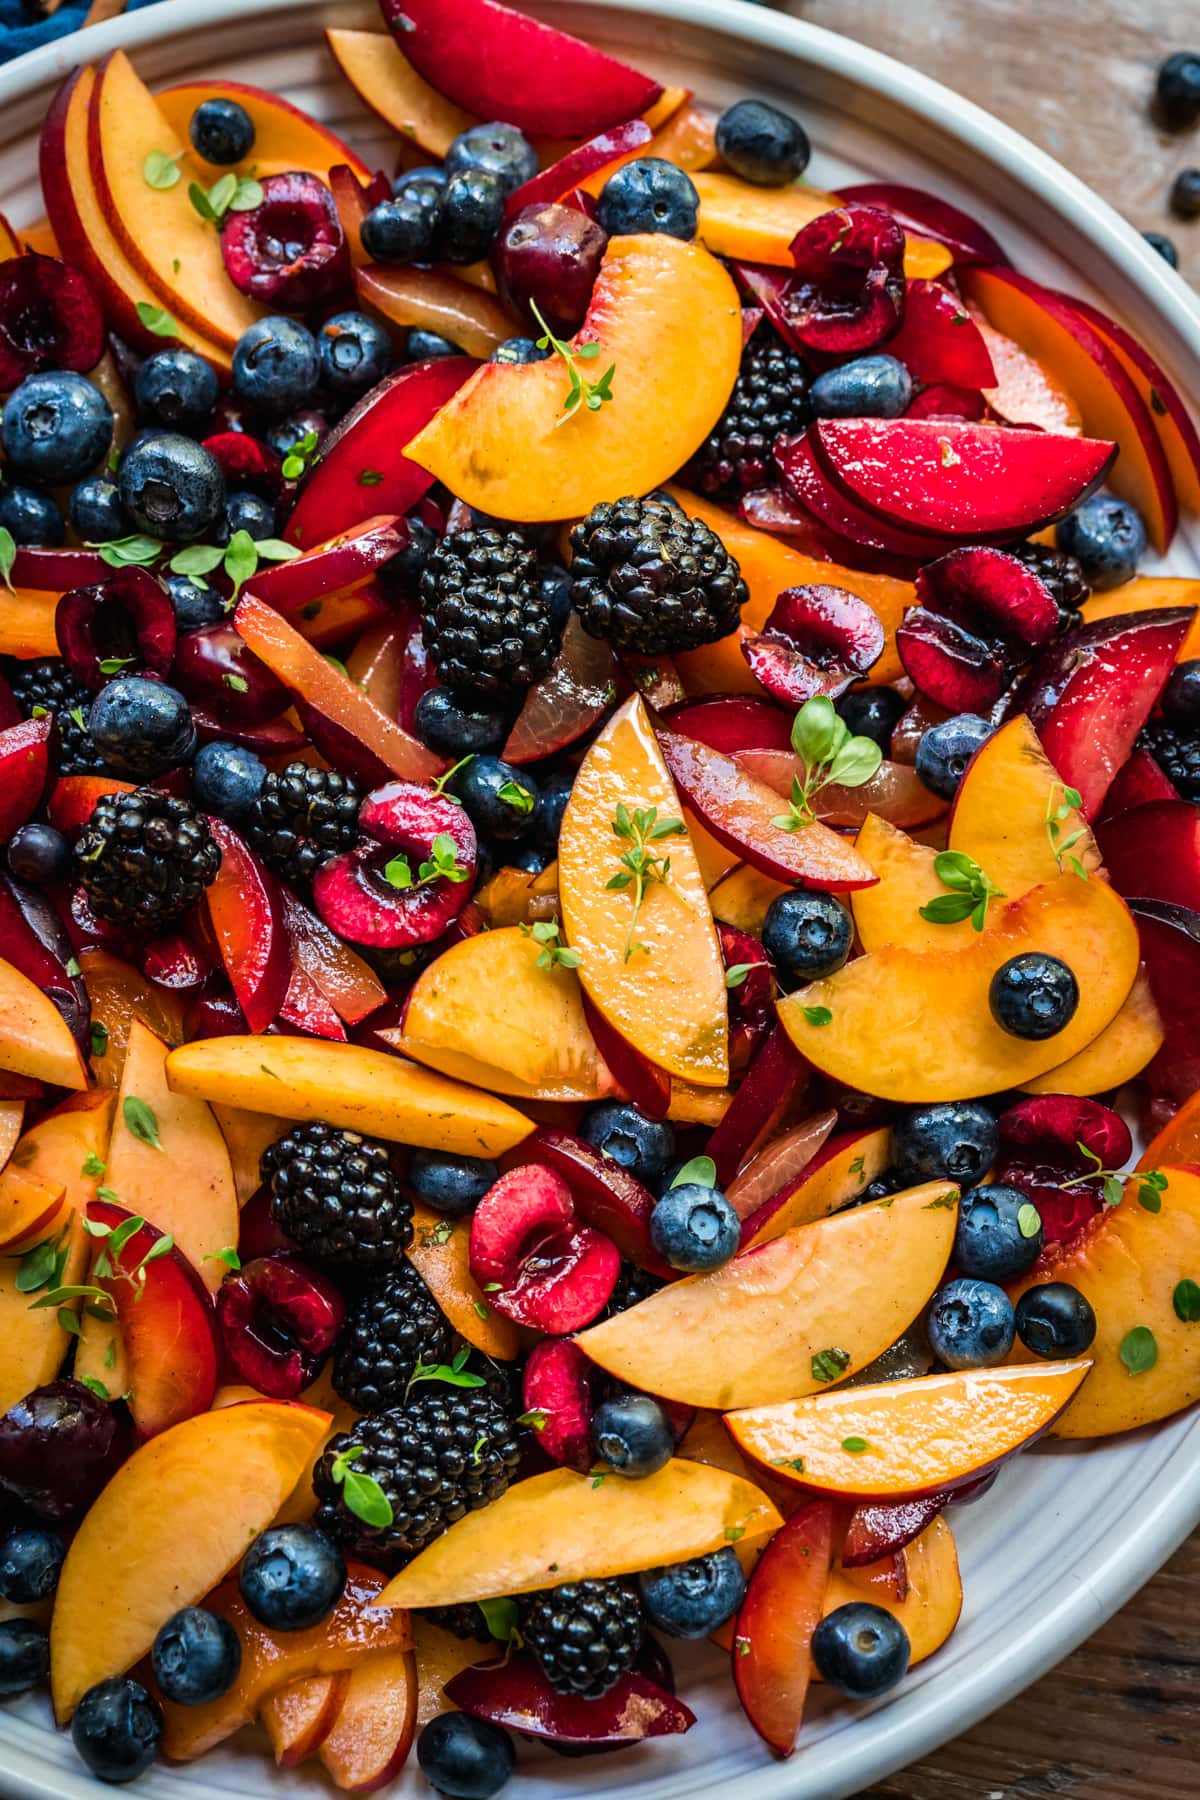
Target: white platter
[1069, 1533]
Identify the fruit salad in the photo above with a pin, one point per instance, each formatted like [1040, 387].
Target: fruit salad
[601, 846]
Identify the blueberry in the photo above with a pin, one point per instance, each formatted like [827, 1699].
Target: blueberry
[999, 1233]
[945, 750]
[1181, 696]
[860, 1650]
[24, 1656]
[400, 230]
[498, 797]
[117, 1729]
[970, 1324]
[171, 487]
[692, 1599]
[1106, 537]
[807, 935]
[469, 217]
[872, 712]
[250, 513]
[694, 1228]
[276, 364]
[627, 1137]
[465, 1758]
[870, 387]
[1185, 194]
[1165, 247]
[1033, 995]
[529, 857]
[453, 1185]
[195, 606]
[355, 352]
[427, 346]
[501, 149]
[292, 1577]
[631, 1434]
[221, 131]
[196, 1656]
[1178, 89]
[226, 779]
[948, 1139]
[552, 804]
[288, 434]
[762, 144]
[1055, 1320]
[519, 350]
[96, 510]
[39, 854]
[30, 1561]
[427, 172]
[57, 427]
[30, 516]
[141, 727]
[178, 389]
[649, 195]
[456, 728]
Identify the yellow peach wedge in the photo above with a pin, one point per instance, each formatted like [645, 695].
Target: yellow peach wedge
[34, 1038]
[932, 1584]
[1122, 1050]
[756, 224]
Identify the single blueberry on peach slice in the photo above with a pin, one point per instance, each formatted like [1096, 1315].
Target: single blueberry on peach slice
[536, 1262]
[125, 622]
[278, 1321]
[377, 894]
[290, 251]
[816, 640]
[49, 319]
[557, 1397]
[848, 291]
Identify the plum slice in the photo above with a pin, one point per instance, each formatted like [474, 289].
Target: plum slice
[733, 722]
[606, 1195]
[848, 294]
[932, 217]
[562, 177]
[515, 1693]
[980, 610]
[817, 639]
[126, 620]
[49, 319]
[290, 251]
[537, 1263]
[808, 483]
[939, 341]
[376, 894]
[216, 667]
[575, 692]
[1170, 939]
[942, 400]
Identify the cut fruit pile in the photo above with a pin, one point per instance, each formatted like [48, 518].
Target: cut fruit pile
[601, 834]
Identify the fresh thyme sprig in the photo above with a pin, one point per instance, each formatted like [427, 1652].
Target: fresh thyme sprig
[971, 891]
[1152, 1183]
[830, 753]
[553, 953]
[640, 867]
[442, 865]
[592, 394]
[1056, 815]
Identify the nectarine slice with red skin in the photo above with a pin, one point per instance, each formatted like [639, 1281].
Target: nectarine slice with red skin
[334, 567]
[967, 240]
[648, 1086]
[560, 1526]
[733, 722]
[373, 1730]
[24, 771]
[1170, 938]
[285, 137]
[868, 1040]
[938, 341]
[779, 1166]
[298, 1718]
[790, 1315]
[775, 1625]
[386, 81]
[432, 300]
[34, 1038]
[842, 1169]
[363, 1090]
[28, 1207]
[497, 443]
[933, 1434]
[933, 1593]
[880, 1528]
[514, 1693]
[245, 910]
[167, 1509]
[757, 225]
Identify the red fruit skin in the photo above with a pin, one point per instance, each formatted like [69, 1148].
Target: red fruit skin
[732, 722]
[773, 1634]
[1170, 938]
[771, 1081]
[259, 1235]
[246, 914]
[986, 588]
[948, 663]
[127, 614]
[274, 737]
[58, 571]
[558, 1383]
[34, 938]
[213, 665]
[553, 1273]
[1054, 1125]
[807, 482]
[555, 182]
[548, 255]
[939, 341]
[514, 1693]
[648, 1086]
[605, 1195]
[930, 217]
[848, 293]
[305, 1012]
[349, 986]
[177, 962]
[10, 712]
[278, 1320]
[1090, 693]
[24, 770]
[751, 1012]
[564, 705]
[944, 402]
[499, 64]
[1152, 851]
[247, 462]
[1137, 783]
[354, 898]
[298, 212]
[49, 319]
[774, 510]
[344, 562]
[768, 288]
[816, 640]
[880, 1528]
[1064, 1211]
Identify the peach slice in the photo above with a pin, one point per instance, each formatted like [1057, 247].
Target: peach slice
[166, 1530]
[870, 1007]
[28, 1207]
[363, 1090]
[298, 1718]
[33, 1344]
[840, 1171]
[1179, 1140]
[119, 994]
[1130, 1264]
[386, 81]
[12, 1117]
[497, 445]
[933, 1592]
[440, 1657]
[999, 812]
[753, 224]
[744, 897]
[183, 1183]
[1150, 593]
[246, 1136]
[440, 1253]
[889, 912]
[667, 998]
[487, 993]
[1122, 1050]
[789, 1316]
[435, 301]
[34, 1039]
[27, 623]
[561, 1526]
[932, 1432]
[375, 1724]
[285, 138]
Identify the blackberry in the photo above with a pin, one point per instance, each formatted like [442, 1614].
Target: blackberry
[633, 1284]
[464, 1621]
[144, 858]
[437, 1458]
[301, 818]
[1063, 576]
[1177, 753]
[49, 686]
[395, 1324]
[648, 578]
[769, 401]
[336, 1195]
[585, 1634]
[486, 622]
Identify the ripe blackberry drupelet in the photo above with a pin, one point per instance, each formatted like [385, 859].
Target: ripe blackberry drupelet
[585, 1634]
[650, 579]
[301, 818]
[1177, 753]
[442, 1454]
[47, 685]
[336, 1196]
[1062, 575]
[633, 1284]
[394, 1325]
[465, 1621]
[144, 858]
[486, 621]
[769, 401]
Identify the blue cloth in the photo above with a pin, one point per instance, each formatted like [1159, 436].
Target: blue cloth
[22, 29]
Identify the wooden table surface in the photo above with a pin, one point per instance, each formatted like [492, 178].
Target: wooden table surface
[1120, 1719]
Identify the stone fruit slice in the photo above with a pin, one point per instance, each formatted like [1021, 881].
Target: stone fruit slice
[440, 1657]
[789, 1316]
[932, 1589]
[440, 1252]
[298, 1718]
[166, 1530]
[837, 1175]
[776, 1622]
[245, 910]
[999, 812]
[1154, 851]
[561, 1526]
[363, 1090]
[934, 1433]
[515, 1693]
[757, 225]
[857, 1025]
[34, 1038]
[880, 1528]
[967, 240]
[939, 341]
[373, 1730]
[1122, 1050]
[497, 445]
[285, 138]
[667, 999]
[28, 1208]
[386, 81]
[433, 300]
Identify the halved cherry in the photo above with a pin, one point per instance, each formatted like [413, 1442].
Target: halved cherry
[127, 619]
[606, 1195]
[817, 640]
[848, 292]
[751, 1012]
[531, 1256]
[375, 893]
[291, 250]
[176, 961]
[247, 462]
[278, 1320]
[948, 663]
[983, 586]
[216, 666]
[557, 1391]
[930, 216]
[49, 319]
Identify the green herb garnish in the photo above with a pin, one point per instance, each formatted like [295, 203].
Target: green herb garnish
[593, 394]
[640, 867]
[830, 754]
[971, 891]
[553, 953]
